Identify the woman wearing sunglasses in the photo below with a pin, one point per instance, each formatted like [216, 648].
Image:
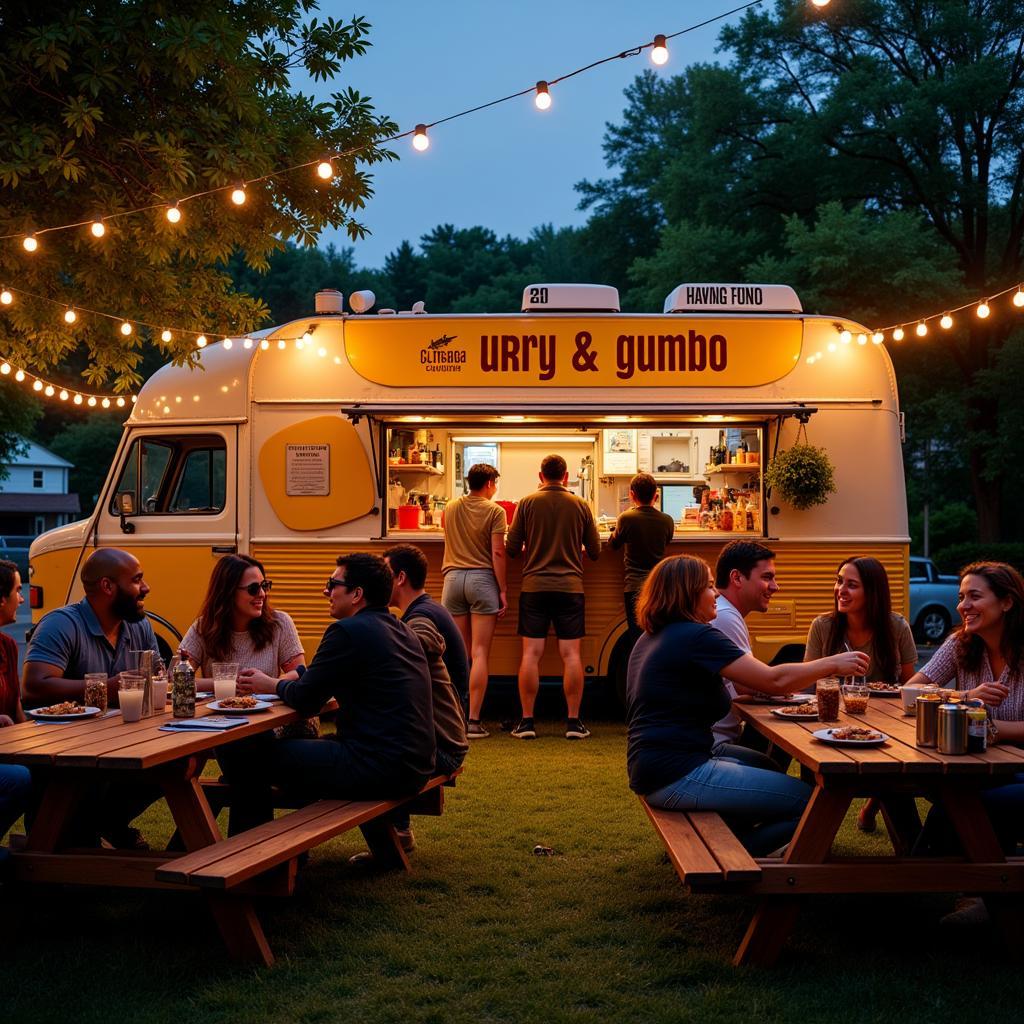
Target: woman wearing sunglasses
[236, 623]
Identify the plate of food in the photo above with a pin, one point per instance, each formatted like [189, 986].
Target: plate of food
[245, 705]
[66, 711]
[884, 689]
[805, 711]
[792, 698]
[851, 736]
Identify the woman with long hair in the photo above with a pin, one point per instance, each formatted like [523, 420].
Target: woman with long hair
[862, 619]
[675, 695]
[236, 623]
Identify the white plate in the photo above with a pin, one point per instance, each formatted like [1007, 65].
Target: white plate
[215, 705]
[884, 693]
[793, 698]
[825, 735]
[87, 713]
[779, 713]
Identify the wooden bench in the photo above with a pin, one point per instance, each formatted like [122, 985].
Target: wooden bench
[705, 852]
[228, 864]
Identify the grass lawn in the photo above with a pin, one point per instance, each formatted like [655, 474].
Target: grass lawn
[485, 931]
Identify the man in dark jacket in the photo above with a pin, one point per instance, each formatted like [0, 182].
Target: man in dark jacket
[374, 666]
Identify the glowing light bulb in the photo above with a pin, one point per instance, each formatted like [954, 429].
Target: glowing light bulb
[135, 398]
[877, 338]
[37, 385]
[542, 99]
[98, 229]
[173, 214]
[105, 403]
[228, 343]
[420, 141]
[921, 329]
[6, 297]
[78, 399]
[1018, 299]
[63, 395]
[325, 169]
[821, 3]
[659, 52]
[30, 243]
[5, 368]
[946, 322]
[862, 339]
[282, 344]
[166, 335]
[120, 403]
[238, 196]
[201, 341]
[832, 346]
[92, 401]
[48, 391]
[264, 344]
[897, 335]
[845, 337]
[19, 376]
[247, 343]
[70, 316]
[983, 310]
[300, 344]
[126, 328]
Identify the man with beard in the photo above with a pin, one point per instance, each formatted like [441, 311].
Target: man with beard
[96, 634]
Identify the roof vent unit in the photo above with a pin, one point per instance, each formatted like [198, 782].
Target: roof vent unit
[570, 298]
[329, 302]
[733, 298]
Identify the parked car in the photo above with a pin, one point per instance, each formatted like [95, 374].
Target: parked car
[15, 549]
[933, 601]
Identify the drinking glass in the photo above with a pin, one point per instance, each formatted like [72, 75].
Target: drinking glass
[131, 692]
[827, 691]
[96, 691]
[225, 675]
[855, 698]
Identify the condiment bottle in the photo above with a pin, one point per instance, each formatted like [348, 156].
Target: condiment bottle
[183, 687]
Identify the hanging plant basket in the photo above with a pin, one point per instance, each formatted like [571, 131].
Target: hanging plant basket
[802, 476]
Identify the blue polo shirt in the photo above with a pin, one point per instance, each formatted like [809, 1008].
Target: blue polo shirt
[71, 639]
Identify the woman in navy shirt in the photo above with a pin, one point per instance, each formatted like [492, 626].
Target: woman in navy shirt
[674, 695]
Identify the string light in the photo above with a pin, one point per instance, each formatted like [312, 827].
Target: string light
[946, 322]
[420, 141]
[19, 376]
[30, 244]
[48, 390]
[78, 399]
[173, 214]
[91, 401]
[845, 337]
[325, 169]
[897, 335]
[166, 336]
[201, 341]
[1018, 298]
[542, 101]
[227, 343]
[862, 339]
[126, 328]
[6, 297]
[921, 329]
[5, 368]
[877, 338]
[983, 310]
[70, 316]
[63, 394]
[45, 387]
[659, 52]
[98, 229]
[238, 195]
[264, 344]
[37, 385]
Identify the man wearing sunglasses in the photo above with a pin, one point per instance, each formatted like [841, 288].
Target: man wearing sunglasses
[374, 666]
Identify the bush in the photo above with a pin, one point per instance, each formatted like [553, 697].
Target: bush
[953, 558]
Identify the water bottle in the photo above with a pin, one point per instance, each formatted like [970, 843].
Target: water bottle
[183, 687]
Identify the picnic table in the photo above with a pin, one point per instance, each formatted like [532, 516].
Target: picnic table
[708, 856]
[73, 758]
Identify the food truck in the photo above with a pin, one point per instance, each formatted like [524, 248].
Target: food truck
[342, 431]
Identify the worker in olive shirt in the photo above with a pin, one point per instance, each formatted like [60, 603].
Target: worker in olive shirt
[645, 532]
[555, 526]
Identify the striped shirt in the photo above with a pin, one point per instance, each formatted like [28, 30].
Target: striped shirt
[944, 668]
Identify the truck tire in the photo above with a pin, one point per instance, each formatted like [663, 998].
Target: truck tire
[932, 625]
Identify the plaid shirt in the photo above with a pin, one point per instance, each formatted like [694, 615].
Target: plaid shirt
[943, 668]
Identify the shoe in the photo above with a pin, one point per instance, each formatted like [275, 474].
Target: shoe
[525, 730]
[968, 912]
[475, 731]
[575, 729]
[365, 859]
[866, 820]
[126, 838]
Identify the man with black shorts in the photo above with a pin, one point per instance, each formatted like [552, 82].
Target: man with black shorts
[555, 526]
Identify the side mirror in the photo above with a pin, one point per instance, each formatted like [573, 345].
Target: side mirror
[126, 507]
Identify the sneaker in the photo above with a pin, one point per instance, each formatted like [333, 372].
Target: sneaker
[365, 859]
[968, 912]
[475, 731]
[576, 730]
[525, 730]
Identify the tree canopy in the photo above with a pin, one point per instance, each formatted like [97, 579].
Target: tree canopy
[113, 106]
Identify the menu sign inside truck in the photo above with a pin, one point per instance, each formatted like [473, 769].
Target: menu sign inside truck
[605, 351]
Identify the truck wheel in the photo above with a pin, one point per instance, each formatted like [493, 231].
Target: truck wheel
[933, 625]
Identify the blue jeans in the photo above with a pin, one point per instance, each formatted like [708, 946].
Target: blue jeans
[1005, 806]
[762, 807]
[15, 786]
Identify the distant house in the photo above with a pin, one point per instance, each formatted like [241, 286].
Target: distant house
[34, 497]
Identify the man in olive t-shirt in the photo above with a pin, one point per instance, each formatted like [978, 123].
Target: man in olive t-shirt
[645, 532]
[554, 526]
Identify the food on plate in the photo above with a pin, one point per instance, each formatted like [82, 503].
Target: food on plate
[239, 703]
[68, 707]
[809, 707]
[884, 687]
[855, 732]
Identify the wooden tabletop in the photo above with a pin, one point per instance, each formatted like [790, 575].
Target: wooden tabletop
[110, 742]
[898, 755]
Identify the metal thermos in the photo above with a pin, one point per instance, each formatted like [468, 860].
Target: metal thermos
[951, 732]
[927, 720]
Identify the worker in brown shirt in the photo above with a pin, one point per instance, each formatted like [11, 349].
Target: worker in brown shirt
[555, 526]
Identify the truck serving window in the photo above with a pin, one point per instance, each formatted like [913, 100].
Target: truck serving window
[175, 476]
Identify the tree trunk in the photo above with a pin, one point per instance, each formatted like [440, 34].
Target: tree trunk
[983, 427]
